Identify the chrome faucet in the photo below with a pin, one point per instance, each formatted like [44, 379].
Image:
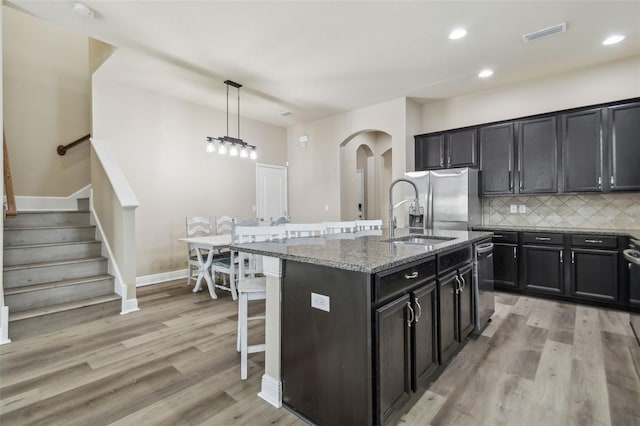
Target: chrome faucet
[416, 204]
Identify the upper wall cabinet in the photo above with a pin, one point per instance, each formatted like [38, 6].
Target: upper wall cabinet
[456, 148]
[624, 146]
[582, 149]
[538, 155]
[497, 159]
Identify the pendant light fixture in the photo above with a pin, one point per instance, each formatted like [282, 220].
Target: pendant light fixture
[234, 146]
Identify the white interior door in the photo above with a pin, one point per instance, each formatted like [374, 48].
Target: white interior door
[271, 192]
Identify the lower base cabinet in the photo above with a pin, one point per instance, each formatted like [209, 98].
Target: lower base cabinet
[594, 274]
[455, 295]
[505, 266]
[542, 269]
[424, 335]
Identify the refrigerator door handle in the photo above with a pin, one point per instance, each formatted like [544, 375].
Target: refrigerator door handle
[430, 207]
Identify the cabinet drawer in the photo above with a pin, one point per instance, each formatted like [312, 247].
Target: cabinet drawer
[542, 238]
[402, 279]
[505, 237]
[451, 260]
[604, 241]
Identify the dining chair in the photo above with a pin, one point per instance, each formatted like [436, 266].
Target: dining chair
[340, 227]
[196, 226]
[363, 225]
[224, 225]
[251, 286]
[222, 263]
[297, 230]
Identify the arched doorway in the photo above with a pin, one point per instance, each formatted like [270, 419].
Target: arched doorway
[363, 175]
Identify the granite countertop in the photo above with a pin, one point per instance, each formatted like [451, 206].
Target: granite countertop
[358, 252]
[633, 233]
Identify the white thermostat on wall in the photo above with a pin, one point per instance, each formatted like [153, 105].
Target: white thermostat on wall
[320, 301]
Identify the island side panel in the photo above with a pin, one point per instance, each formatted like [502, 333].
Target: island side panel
[326, 348]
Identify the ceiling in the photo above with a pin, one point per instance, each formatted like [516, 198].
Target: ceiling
[320, 58]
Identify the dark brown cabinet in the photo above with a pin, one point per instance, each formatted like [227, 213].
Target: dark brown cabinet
[497, 159]
[623, 133]
[594, 274]
[455, 296]
[424, 335]
[537, 155]
[582, 148]
[429, 151]
[505, 266]
[393, 322]
[443, 150]
[542, 268]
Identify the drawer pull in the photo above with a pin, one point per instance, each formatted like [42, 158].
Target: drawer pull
[498, 236]
[593, 241]
[543, 238]
[412, 315]
[419, 309]
[411, 276]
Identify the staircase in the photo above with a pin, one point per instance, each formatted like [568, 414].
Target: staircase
[54, 273]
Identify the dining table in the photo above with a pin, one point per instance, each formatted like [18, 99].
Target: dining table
[212, 244]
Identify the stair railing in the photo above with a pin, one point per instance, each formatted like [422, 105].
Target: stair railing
[62, 149]
[8, 181]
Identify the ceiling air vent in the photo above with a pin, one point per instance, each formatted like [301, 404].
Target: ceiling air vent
[537, 35]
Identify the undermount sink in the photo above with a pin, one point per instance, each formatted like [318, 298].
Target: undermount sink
[421, 240]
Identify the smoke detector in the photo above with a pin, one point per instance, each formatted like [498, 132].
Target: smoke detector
[83, 10]
[546, 32]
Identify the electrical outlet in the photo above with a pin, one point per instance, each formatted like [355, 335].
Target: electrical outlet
[326, 207]
[513, 208]
[253, 208]
[522, 208]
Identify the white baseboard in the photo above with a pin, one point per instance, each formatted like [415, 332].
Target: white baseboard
[160, 278]
[129, 305]
[30, 204]
[4, 325]
[271, 391]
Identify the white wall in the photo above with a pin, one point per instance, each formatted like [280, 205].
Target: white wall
[314, 171]
[604, 83]
[46, 80]
[160, 144]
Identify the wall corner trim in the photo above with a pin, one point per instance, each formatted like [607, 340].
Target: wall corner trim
[4, 325]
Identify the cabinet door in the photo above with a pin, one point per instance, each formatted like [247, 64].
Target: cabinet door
[542, 268]
[424, 335]
[462, 148]
[594, 274]
[496, 159]
[393, 366]
[447, 326]
[582, 151]
[505, 266]
[538, 156]
[624, 146]
[430, 152]
[465, 304]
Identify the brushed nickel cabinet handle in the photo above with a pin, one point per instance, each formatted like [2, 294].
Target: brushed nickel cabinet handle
[573, 256]
[543, 238]
[593, 241]
[412, 315]
[515, 253]
[412, 276]
[561, 256]
[419, 309]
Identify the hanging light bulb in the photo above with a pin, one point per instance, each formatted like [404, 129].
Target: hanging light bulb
[211, 146]
[233, 151]
[253, 155]
[223, 149]
[244, 153]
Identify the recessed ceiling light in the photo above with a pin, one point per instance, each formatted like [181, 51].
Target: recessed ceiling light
[485, 73]
[613, 39]
[457, 34]
[286, 113]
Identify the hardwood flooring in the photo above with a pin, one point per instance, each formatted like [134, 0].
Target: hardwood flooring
[174, 362]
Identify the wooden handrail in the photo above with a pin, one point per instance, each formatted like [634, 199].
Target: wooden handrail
[62, 149]
[8, 181]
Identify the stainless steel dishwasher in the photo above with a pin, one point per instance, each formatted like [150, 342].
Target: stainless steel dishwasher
[483, 286]
[632, 256]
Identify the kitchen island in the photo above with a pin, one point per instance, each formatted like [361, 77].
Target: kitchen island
[356, 324]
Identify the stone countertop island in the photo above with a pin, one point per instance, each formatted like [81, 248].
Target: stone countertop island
[343, 340]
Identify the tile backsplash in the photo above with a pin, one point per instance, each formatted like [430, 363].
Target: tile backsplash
[602, 211]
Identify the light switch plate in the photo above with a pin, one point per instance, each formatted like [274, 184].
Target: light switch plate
[326, 207]
[522, 208]
[513, 208]
[320, 301]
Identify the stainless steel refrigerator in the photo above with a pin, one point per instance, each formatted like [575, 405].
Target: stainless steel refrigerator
[449, 197]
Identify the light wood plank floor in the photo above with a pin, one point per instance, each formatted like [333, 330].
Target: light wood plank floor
[174, 362]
